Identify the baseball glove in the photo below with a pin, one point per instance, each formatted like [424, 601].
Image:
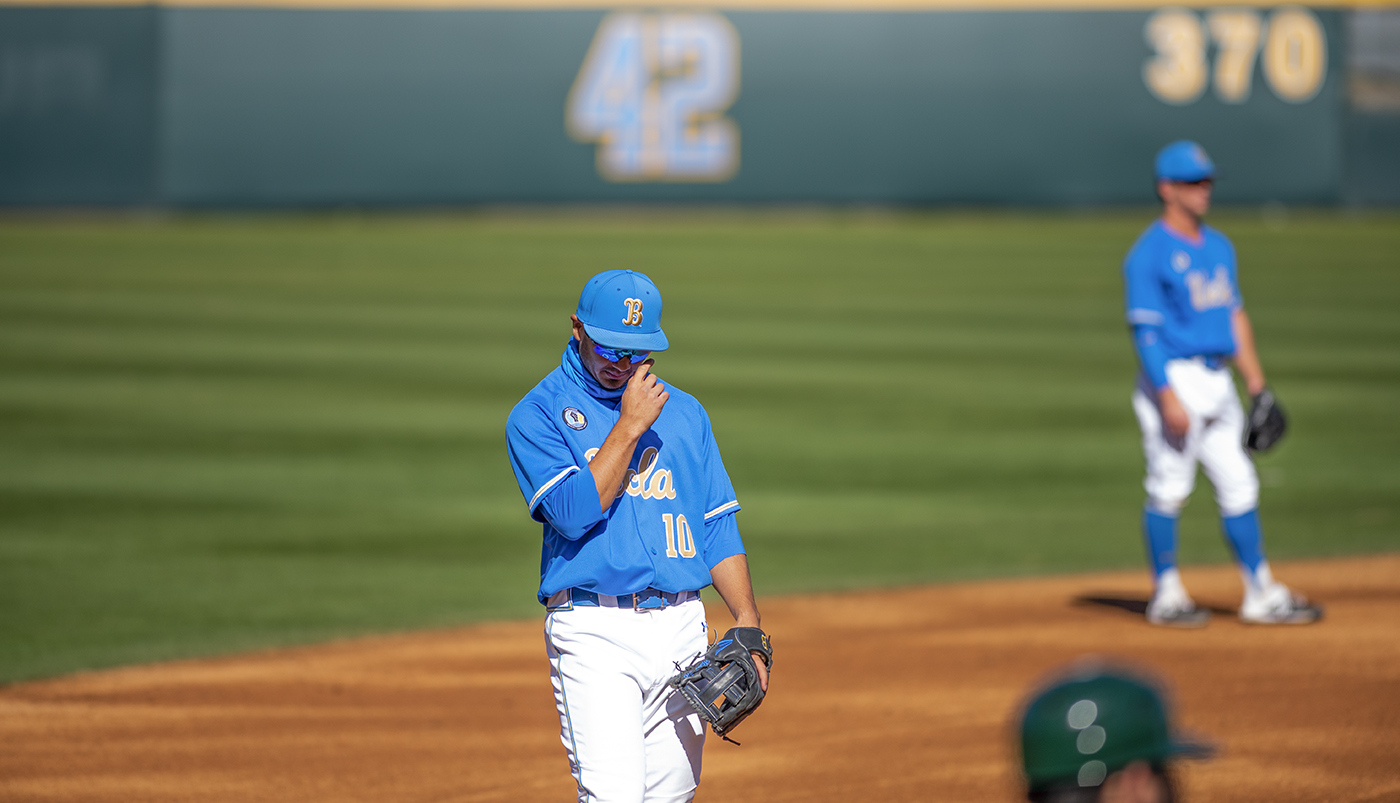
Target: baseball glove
[1267, 423]
[722, 682]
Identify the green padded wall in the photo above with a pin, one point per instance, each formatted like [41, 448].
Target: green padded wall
[252, 107]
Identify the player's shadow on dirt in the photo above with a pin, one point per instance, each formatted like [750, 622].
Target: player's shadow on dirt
[1136, 605]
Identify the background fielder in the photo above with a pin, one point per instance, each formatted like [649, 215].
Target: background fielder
[638, 515]
[1189, 325]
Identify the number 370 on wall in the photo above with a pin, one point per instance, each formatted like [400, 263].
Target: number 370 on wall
[1290, 44]
[652, 94]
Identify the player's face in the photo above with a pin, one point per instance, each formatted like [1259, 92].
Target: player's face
[1136, 783]
[610, 374]
[1190, 196]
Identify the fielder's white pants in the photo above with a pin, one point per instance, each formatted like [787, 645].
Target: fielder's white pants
[1215, 440]
[630, 737]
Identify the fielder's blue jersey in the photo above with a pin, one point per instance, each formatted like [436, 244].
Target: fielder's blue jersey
[672, 522]
[1186, 291]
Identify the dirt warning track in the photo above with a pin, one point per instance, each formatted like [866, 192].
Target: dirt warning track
[895, 695]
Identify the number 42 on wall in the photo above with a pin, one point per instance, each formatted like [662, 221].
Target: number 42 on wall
[1292, 44]
[652, 94]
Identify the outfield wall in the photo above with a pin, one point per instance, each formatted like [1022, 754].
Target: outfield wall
[261, 106]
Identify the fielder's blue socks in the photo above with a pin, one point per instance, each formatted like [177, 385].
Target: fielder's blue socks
[1159, 532]
[1243, 534]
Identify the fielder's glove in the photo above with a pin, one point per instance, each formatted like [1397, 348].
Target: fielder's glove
[722, 683]
[1267, 422]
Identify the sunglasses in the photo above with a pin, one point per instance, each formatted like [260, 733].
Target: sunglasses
[618, 355]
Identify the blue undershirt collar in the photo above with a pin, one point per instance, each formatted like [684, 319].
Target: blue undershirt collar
[575, 370]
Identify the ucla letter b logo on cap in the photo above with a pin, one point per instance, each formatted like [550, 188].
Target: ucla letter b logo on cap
[622, 309]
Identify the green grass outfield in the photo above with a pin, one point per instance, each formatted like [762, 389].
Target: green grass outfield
[225, 433]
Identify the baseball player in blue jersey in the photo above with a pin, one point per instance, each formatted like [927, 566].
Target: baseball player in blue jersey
[638, 515]
[1189, 325]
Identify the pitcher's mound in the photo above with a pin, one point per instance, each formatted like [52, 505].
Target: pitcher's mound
[904, 695]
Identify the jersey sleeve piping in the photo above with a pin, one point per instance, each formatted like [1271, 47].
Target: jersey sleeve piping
[724, 508]
[553, 482]
[1148, 317]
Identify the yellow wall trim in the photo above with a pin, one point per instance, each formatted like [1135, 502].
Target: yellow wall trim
[737, 5]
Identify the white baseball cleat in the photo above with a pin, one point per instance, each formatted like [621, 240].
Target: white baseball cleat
[1278, 605]
[1173, 610]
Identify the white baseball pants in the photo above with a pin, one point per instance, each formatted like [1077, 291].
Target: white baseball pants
[1215, 440]
[630, 737]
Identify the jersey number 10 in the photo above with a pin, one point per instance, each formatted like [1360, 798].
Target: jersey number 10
[678, 530]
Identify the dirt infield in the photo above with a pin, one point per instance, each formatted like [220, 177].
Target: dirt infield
[903, 695]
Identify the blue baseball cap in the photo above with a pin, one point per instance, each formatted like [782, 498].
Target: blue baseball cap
[1184, 160]
[621, 309]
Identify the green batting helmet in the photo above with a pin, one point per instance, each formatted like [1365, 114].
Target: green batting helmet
[1081, 729]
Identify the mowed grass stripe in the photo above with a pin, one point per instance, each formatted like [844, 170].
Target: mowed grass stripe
[225, 433]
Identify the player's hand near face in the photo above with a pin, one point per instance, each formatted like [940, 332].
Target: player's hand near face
[642, 401]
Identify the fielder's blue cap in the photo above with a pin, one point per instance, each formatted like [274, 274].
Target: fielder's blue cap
[621, 309]
[1184, 160]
